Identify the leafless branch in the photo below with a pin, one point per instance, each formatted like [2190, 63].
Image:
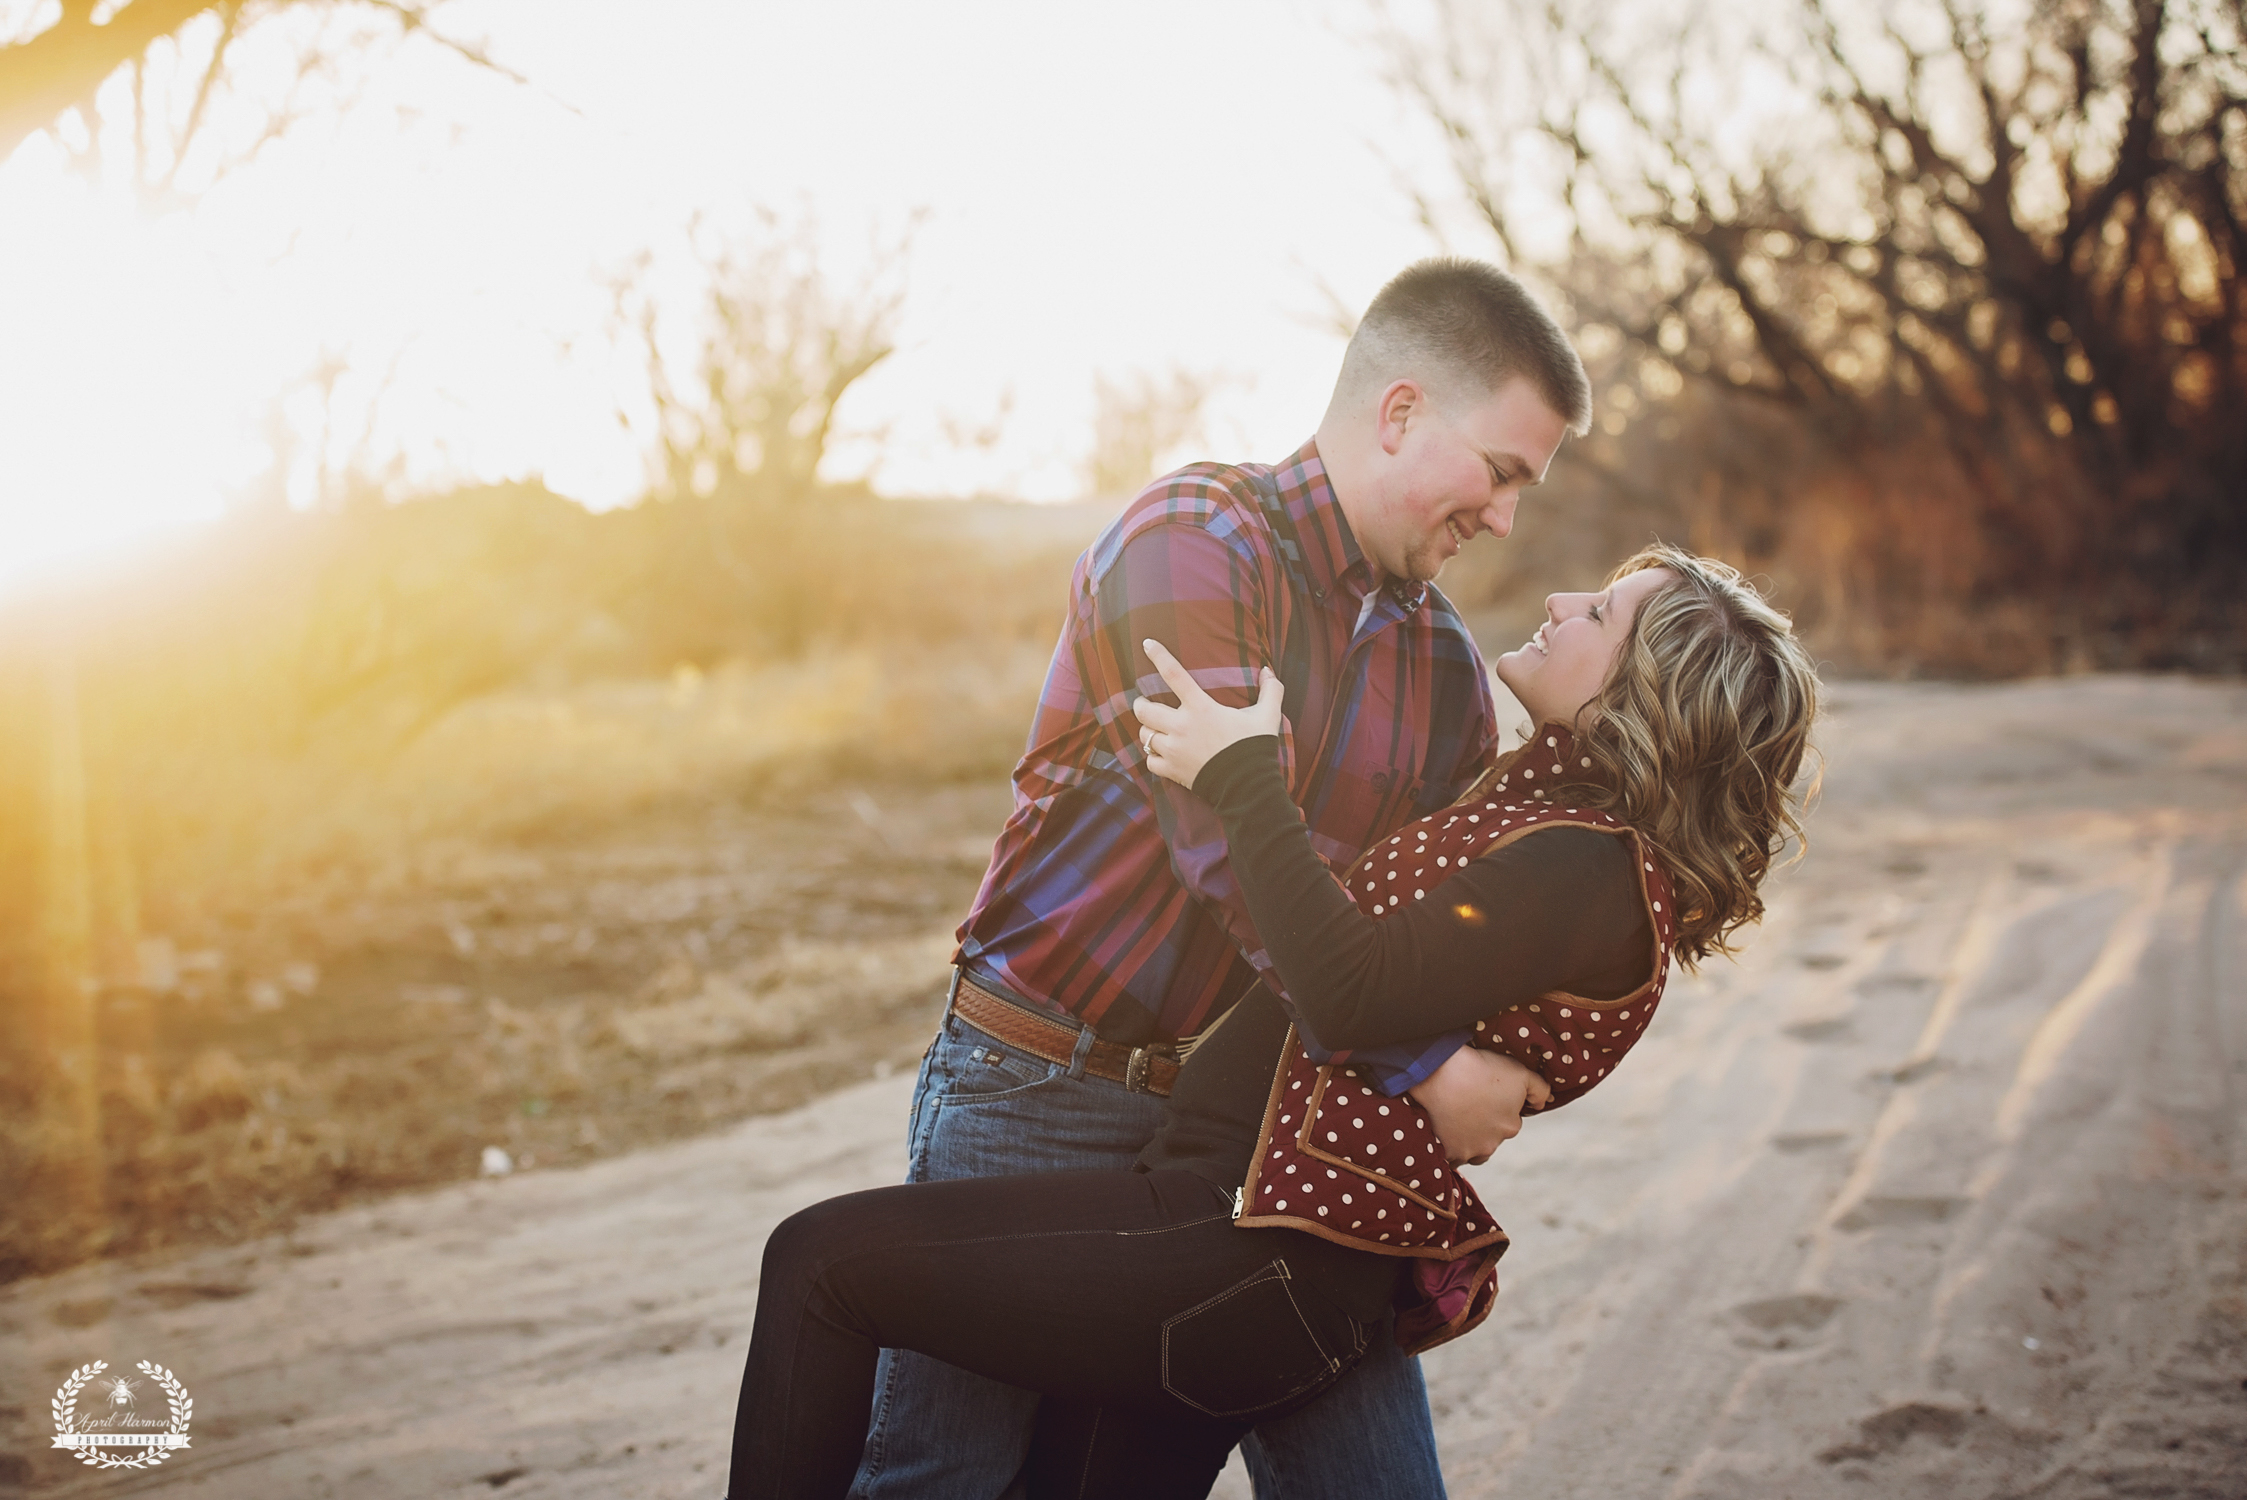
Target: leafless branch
[2019, 241]
[59, 71]
[414, 19]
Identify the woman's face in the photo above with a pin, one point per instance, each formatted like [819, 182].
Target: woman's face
[1565, 664]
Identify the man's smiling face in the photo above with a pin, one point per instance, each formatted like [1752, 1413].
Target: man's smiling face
[1452, 472]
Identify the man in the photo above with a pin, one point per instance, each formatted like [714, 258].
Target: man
[1108, 929]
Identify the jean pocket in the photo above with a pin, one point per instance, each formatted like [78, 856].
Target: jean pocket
[1256, 1347]
[978, 1071]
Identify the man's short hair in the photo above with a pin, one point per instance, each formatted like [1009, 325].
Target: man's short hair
[1465, 325]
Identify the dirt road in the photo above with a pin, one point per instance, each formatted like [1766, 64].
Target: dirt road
[1941, 1190]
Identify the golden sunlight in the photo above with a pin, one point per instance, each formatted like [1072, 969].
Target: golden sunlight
[122, 365]
[412, 284]
[556, 556]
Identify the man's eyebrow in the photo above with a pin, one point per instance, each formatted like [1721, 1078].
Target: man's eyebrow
[1514, 463]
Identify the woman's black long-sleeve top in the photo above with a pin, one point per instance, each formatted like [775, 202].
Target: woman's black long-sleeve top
[1556, 911]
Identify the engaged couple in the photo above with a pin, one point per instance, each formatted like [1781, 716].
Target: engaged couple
[1272, 940]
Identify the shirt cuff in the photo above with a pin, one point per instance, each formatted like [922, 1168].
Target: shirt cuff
[1393, 1070]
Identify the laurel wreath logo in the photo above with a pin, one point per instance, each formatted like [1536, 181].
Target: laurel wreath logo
[65, 1403]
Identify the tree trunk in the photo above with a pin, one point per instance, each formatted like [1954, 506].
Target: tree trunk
[63, 65]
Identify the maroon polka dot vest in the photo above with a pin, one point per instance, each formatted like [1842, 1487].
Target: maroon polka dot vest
[1340, 1160]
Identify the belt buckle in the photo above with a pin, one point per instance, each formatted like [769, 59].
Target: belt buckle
[1140, 1063]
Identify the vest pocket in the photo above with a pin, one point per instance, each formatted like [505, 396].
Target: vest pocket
[1255, 1347]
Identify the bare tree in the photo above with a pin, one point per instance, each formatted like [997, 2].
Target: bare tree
[739, 427]
[780, 345]
[176, 61]
[50, 72]
[1139, 421]
[2009, 251]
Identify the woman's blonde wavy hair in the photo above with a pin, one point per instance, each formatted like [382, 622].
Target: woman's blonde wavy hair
[1698, 740]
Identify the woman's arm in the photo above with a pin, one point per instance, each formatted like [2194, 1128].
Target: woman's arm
[1557, 910]
[1344, 968]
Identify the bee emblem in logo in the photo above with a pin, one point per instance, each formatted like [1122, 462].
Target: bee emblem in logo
[112, 1433]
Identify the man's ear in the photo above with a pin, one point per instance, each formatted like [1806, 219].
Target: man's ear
[1401, 404]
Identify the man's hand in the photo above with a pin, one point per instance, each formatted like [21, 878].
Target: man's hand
[1475, 1101]
[1180, 741]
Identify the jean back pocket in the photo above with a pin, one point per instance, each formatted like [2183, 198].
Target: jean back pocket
[1255, 1347]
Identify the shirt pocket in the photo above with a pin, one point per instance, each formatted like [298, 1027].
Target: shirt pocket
[1363, 802]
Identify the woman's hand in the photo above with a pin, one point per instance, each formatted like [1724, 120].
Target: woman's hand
[1180, 741]
[1475, 1101]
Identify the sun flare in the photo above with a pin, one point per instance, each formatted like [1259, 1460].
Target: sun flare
[122, 356]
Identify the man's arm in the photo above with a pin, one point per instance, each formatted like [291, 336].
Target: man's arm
[1203, 595]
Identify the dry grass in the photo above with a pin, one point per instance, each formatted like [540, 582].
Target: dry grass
[321, 869]
[564, 923]
[524, 764]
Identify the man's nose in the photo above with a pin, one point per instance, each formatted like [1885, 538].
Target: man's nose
[1498, 517]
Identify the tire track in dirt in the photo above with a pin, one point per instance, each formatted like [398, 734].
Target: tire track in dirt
[2009, 1113]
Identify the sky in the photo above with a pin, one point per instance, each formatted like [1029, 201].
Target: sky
[1089, 191]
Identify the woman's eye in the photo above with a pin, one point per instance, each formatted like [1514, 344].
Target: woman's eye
[1598, 614]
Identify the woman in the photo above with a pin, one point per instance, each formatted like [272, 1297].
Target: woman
[1247, 1262]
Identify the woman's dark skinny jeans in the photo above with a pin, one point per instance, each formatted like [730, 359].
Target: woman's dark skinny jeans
[1157, 1332]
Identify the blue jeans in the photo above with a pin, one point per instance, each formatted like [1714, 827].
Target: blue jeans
[981, 1109]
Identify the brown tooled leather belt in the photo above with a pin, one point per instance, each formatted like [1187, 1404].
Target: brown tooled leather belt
[1142, 1070]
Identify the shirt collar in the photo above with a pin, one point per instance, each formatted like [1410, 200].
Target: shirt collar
[1332, 559]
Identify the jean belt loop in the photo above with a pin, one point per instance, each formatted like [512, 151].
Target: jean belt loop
[1083, 1052]
[951, 995]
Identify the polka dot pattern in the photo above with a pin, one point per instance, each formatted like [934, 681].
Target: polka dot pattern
[1343, 1159]
[1361, 1166]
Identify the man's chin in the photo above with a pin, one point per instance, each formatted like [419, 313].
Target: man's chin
[1420, 565]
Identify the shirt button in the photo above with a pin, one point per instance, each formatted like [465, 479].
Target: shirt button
[1319, 594]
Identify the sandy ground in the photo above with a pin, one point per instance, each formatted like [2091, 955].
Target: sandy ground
[1940, 1191]
[581, 992]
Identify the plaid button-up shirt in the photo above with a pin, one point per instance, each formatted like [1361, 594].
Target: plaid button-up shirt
[1109, 896]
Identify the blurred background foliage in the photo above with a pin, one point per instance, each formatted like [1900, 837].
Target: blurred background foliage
[278, 753]
[1948, 344]
[302, 687]
[1931, 312]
